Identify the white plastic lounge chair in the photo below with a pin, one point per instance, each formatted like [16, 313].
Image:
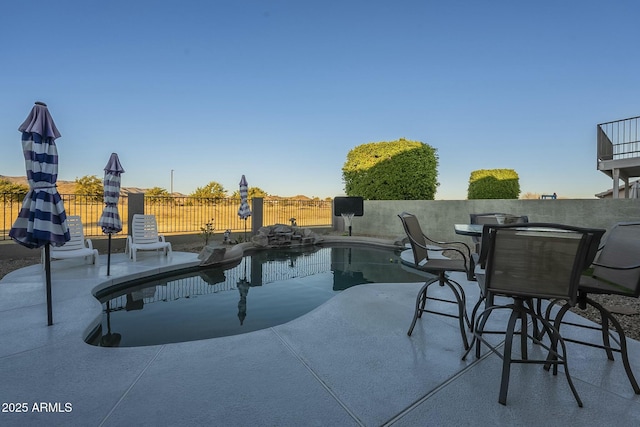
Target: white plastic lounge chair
[144, 236]
[78, 246]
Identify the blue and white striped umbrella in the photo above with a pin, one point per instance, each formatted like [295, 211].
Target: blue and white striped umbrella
[244, 211]
[110, 220]
[42, 219]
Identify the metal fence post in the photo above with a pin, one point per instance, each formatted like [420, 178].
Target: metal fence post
[135, 206]
[257, 204]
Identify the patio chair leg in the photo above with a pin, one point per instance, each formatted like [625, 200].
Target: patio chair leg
[554, 357]
[547, 316]
[457, 291]
[421, 300]
[479, 328]
[554, 333]
[462, 301]
[476, 341]
[474, 312]
[607, 317]
[566, 372]
[462, 315]
[625, 356]
[524, 351]
[538, 310]
[506, 359]
[551, 358]
[604, 328]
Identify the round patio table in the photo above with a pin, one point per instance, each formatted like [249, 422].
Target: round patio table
[474, 230]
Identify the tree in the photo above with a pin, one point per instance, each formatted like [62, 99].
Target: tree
[494, 184]
[208, 193]
[11, 191]
[252, 193]
[156, 195]
[212, 189]
[89, 186]
[397, 170]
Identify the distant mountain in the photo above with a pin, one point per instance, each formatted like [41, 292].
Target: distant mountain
[67, 187]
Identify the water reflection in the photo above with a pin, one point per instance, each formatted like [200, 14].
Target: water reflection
[264, 289]
[109, 339]
[243, 288]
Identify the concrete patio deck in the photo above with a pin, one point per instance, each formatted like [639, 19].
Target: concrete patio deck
[348, 362]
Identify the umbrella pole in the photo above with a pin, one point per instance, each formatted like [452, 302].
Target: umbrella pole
[109, 256]
[47, 271]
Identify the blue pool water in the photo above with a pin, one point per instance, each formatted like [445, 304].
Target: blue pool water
[265, 289]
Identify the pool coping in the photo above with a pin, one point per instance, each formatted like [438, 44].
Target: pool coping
[233, 253]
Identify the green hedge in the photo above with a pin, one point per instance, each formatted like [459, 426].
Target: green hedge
[494, 184]
[396, 170]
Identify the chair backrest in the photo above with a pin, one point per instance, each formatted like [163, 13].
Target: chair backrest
[145, 229]
[492, 218]
[620, 251]
[76, 231]
[416, 237]
[537, 260]
[485, 218]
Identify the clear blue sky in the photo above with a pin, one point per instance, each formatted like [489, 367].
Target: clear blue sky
[281, 90]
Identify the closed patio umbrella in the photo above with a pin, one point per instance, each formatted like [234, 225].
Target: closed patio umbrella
[110, 220]
[244, 211]
[42, 220]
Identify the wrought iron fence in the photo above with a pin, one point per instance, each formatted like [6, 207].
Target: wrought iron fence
[304, 213]
[189, 214]
[89, 208]
[181, 214]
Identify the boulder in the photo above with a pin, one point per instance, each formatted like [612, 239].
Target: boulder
[212, 254]
[279, 235]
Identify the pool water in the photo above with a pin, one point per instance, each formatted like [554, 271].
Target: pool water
[267, 288]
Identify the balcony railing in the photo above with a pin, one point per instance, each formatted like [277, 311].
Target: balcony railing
[619, 139]
[181, 214]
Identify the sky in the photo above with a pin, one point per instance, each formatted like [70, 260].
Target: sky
[189, 92]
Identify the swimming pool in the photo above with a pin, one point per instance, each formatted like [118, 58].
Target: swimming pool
[266, 288]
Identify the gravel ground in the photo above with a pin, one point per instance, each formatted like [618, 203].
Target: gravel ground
[625, 309]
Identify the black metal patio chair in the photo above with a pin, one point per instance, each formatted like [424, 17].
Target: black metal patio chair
[422, 246]
[532, 261]
[616, 271]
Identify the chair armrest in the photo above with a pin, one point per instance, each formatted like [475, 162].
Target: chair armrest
[88, 243]
[161, 238]
[468, 249]
[442, 243]
[469, 263]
